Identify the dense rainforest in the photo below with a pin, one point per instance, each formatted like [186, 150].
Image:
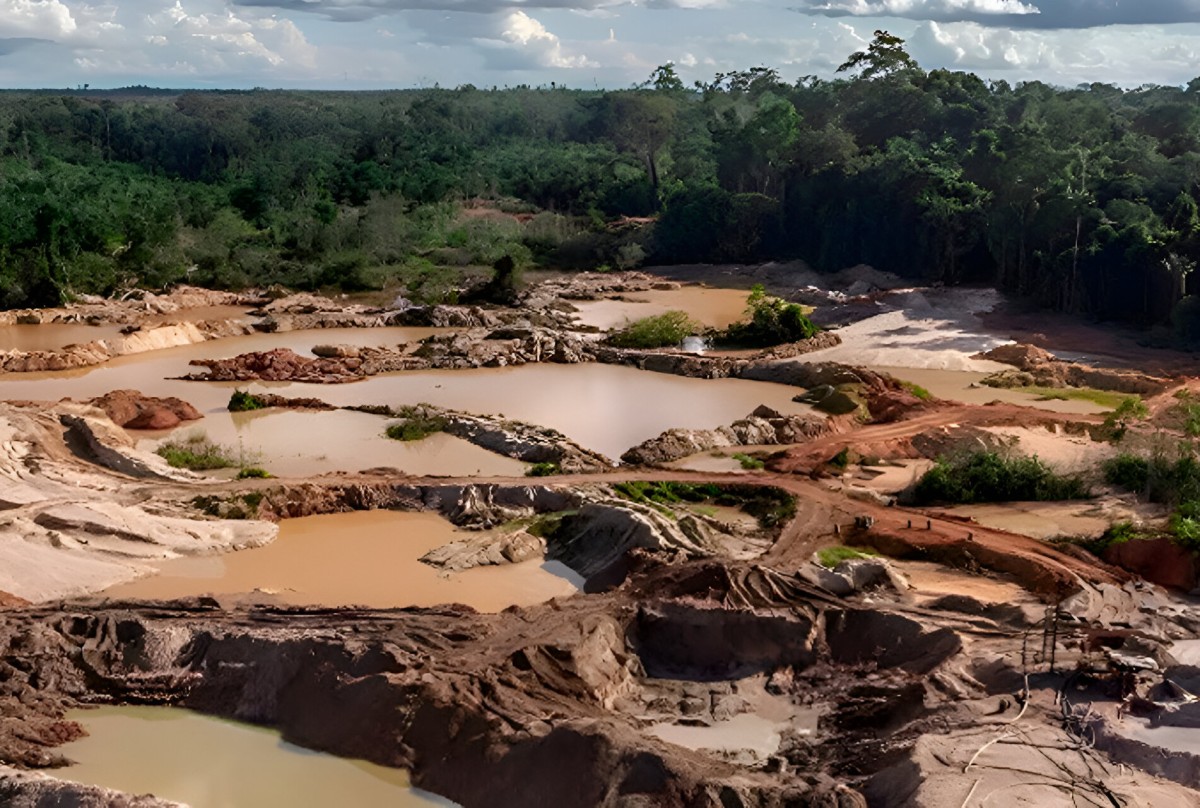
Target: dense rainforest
[1083, 199]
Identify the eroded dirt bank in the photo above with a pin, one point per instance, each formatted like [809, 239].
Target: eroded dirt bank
[551, 705]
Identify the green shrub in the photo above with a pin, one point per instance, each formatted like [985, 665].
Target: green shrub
[841, 459]
[1190, 412]
[1184, 525]
[1128, 471]
[989, 476]
[1156, 476]
[832, 556]
[1117, 533]
[918, 391]
[417, 425]
[253, 473]
[660, 331]
[666, 493]
[543, 470]
[241, 401]
[749, 463]
[770, 321]
[771, 506]
[1131, 409]
[197, 453]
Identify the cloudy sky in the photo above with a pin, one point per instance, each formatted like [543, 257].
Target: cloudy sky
[347, 44]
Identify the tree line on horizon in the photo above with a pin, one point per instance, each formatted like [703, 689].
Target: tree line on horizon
[1083, 199]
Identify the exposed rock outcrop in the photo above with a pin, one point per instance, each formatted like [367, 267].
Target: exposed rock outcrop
[516, 439]
[1160, 560]
[1039, 368]
[132, 410]
[74, 524]
[113, 449]
[761, 365]
[854, 575]
[19, 789]
[265, 400]
[285, 365]
[763, 427]
[503, 347]
[134, 309]
[485, 550]
[597, 538]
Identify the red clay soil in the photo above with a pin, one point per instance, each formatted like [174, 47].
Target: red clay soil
[893, 439]
[1159, 561]
[132, 410]
[8, 601]
[912, 533]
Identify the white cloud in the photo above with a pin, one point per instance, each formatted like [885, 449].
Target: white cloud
[40, 19]
[498, 42]
[920, 9]
[1124, 55]
[531, 38]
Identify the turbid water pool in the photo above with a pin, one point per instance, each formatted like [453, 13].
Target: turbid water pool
[710, 307]
[52, 336]
[606, 408]
[212, 763]
[365, 558]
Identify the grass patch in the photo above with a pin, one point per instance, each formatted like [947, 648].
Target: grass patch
[1101, 398]
[993, 477]
[253, 473]
[417, 425]
[660, 331]
[830, 557]
[918, 391]
[241, 401]
[666, 493]
[546, 525]
[1117, 533]
[771, 506]
[197, 453]
[749, 463]
[841, 459]
[543, 470]
[1189, 412]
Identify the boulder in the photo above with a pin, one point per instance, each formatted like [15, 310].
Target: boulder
[336, 351]
[1020, 355]
[132, 410]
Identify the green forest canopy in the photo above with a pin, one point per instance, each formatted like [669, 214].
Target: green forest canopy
[1083, 199]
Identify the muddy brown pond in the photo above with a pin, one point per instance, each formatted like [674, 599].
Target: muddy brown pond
[714, 308]
[156, 750]
[606, 408]
[365, 558]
